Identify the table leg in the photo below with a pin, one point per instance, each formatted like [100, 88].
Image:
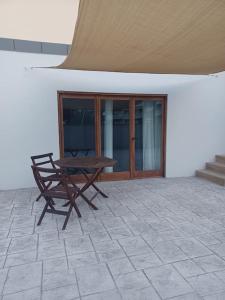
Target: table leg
[90, 181]
[84, 172]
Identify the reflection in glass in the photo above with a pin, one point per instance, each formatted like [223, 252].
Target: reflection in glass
[79, 127]
[148, 134]
[115, 133]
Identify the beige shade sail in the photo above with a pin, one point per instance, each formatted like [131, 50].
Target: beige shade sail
[149, 36]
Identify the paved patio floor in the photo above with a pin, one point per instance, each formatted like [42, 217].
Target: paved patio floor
[151, 239]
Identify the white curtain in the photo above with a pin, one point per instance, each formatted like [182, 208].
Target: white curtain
[151, 135]
[108, 132]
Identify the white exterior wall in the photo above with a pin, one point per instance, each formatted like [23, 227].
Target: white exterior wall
[196, 125]
[29, 116]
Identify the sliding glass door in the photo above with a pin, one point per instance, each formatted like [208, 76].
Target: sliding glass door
[148, 135]
[115, 131]
[127, 128]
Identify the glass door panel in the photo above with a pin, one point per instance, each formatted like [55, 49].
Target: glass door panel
[79, 127]
[148, 135]
[115, 128]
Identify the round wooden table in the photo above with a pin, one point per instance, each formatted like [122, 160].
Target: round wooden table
[83, 164]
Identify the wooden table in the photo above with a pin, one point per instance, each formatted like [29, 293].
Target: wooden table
[83, 164]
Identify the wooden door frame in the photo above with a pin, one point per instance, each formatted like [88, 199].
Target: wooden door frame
[98, 97]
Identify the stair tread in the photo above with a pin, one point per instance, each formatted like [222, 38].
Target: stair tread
[213, 173]
[220, 158]
[221, 155]
[215, 163]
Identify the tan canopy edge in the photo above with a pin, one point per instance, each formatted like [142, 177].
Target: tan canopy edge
[149, 36]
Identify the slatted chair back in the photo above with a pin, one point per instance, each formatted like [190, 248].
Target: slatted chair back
[43, 159]
[57, 177]
[40, 160]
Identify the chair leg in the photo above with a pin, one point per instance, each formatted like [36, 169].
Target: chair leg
[51, 203]
[67, 217]
[42, 214]
[48, 203]
[38, 198]
[77, 210]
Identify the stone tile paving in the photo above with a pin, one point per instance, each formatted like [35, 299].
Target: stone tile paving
[152, 239]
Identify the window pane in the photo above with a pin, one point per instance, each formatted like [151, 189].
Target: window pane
[115, 133]
[148, 134]
[79, 127]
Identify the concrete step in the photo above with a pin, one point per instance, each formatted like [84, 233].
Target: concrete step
[220, 159]
[216, 167]
[212, 176]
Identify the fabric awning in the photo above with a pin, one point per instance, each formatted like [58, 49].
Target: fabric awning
[149, 36]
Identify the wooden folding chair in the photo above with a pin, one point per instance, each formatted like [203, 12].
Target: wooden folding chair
[60, 188]
[43, 159]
